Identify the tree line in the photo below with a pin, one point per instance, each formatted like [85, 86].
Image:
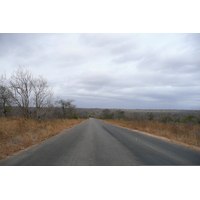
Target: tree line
[32, 96]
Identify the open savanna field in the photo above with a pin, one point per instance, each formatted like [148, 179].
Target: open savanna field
[17, 134]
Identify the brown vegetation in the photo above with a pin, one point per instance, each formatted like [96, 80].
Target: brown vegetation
[186, 133]
[18, 133]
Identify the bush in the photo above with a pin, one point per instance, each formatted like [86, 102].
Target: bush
[75, 116]
[119, 117]
[166, 119]
[109, 116]
[190, 119]
[150, 116]
[91, 114]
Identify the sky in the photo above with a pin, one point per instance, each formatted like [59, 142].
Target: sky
[111, 70]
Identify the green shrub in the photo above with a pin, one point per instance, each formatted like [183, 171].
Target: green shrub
[75, 116]
[109, 116]
[150, 116]
[190, 119]
[166, 119]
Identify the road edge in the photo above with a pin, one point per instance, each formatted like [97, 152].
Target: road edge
[159, 137]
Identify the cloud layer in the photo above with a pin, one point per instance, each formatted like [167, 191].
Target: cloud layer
[111, 70]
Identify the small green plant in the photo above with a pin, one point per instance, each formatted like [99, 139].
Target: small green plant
[109, 116]
[177, 120]
[166, 119]
[119, 117]
[75, 116]
[190, 119]
[150, 116]
[91, 114]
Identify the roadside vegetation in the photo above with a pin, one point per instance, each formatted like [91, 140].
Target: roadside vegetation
[183, 132]
[17, 134]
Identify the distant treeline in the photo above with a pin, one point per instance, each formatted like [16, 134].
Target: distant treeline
[164, 116]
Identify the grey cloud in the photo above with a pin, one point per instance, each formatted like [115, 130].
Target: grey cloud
[112, 70]
[39, 50]
[94, 81]
[193, 40]
[123, 48]
[103, 40]
[149, 60]
[185, 63]
[120, 47]
[129, 57]
[19, 43]
[163, 97]
[65, 60]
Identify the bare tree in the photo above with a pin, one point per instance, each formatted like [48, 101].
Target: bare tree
[70, 108]
[105, 113]
[21, 84]
[42, 96]
[67, 107]
[5, 96]
[62, 103]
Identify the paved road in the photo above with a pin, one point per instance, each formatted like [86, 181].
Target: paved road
[95, 143]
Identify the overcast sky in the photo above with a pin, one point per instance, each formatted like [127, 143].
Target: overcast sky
[136, 71]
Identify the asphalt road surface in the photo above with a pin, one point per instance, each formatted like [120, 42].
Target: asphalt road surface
[96, 143]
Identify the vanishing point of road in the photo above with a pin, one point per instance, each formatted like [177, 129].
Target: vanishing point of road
[96, 143]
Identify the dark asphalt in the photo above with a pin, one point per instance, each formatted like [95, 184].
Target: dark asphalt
[95, 143]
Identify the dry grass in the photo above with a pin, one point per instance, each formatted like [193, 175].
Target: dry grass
[18, 133]
[188, 134]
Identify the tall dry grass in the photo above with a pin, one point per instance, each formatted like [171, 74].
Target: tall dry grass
[185, 133]
[18, 133]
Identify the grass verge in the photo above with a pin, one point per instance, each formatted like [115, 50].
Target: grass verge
[184, 134]
[18, 134]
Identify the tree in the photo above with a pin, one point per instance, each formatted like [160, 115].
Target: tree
[67, 107]
[106, 114]
[5, 100]
[119, 114]
[150, 116]
[30, 94]
[70, 108]
[21, 84]
[42, 96]
[5, 96]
